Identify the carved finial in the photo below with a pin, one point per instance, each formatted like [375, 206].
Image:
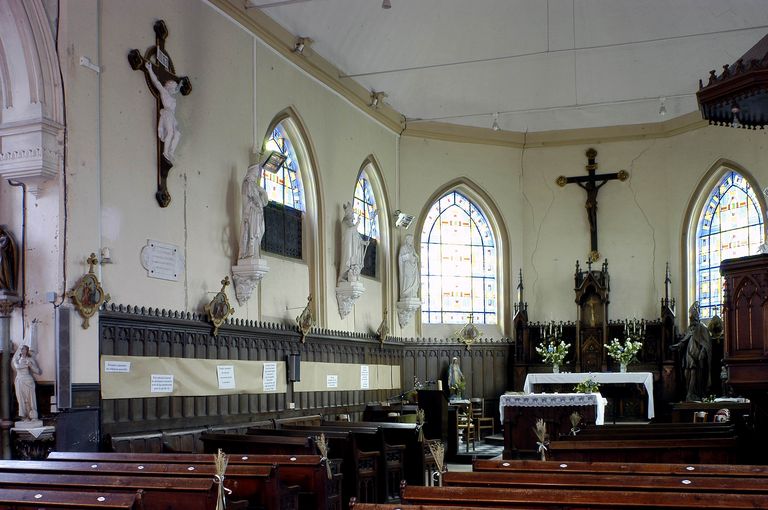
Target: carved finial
[224, 283]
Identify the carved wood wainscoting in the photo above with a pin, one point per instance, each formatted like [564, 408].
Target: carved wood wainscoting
[133, 331]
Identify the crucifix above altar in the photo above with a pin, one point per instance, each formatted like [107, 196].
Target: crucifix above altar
[591, 183]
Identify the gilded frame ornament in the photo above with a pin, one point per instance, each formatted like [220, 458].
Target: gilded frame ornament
[218, 309]
[88, 295]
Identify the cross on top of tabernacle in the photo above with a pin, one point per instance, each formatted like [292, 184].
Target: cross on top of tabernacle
[164, 84]
[592, 183]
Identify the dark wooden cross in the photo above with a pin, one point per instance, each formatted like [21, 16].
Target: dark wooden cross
[592, 183]
[161, 77]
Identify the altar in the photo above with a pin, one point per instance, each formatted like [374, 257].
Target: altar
[519, 414]
[644, 378]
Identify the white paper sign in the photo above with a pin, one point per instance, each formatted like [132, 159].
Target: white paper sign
[226, 376]
[269, 376]
[365, 377]
[331, 381]
[162, 260]
[118, 367]
[161, 383]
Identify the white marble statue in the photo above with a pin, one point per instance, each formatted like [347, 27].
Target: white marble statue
[352, 247]
[167, 127]
[408, 262]
[254, 199]
[25, 366]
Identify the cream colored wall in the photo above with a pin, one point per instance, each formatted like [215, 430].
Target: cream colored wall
[111, 161]
[640, 221]
[341, 137]
[427, 166]
[239, 85]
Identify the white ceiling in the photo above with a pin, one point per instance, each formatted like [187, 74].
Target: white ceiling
[544, 64]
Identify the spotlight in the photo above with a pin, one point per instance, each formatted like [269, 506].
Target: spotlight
[495, 126]
[386, 4]
[402, 219]
[662, 106]
[301, 44]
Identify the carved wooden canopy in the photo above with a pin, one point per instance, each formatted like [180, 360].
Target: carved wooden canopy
[738, 97]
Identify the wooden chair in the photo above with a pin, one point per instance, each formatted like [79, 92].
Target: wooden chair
[482, 422]
[466, 425]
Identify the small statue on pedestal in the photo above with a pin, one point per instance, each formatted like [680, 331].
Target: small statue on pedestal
[26, 365]
[697, 347]
[456, 381]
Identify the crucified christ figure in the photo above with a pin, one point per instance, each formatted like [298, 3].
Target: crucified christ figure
[167, 127]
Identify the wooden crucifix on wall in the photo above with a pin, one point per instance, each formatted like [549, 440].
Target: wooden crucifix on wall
[164, 84]
[592, 183]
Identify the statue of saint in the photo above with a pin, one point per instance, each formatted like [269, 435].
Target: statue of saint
[8, 258]
[25, 365]
[408, 263]
[456, 382]
[254, 199]
[698, 356]
[167, 127]
[352, 247]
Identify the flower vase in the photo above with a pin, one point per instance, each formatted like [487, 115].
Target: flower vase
[555, 369]
[623, 367]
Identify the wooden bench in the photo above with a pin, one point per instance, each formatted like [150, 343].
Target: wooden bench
[25, 498]
[418, 460]
[576, 499]
[257, 484]
[696, 451]
[372, 437]
[159, 493]
[359, 466]
[308, 472]
[655, 431]
[602, 481]
[688, 470]
[242, 443]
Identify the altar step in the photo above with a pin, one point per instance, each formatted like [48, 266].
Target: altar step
[496, 439]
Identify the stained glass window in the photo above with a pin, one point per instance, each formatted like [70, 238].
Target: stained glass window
[283, 215]
[730, 226]
[284, 186]
[368, 221]
[458, 263]
[365, 208]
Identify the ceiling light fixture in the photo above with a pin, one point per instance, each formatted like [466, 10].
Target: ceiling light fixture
[301, 44]
[495, 126]
[386, 4]
[377, 99]
[663, 106]
[735, 110]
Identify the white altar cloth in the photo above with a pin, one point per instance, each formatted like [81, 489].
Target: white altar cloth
[644, 378]
[555, 400]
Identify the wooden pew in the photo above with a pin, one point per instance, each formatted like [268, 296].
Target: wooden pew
[372, 437]
[655, 431]
[242, 443]
[417, 460]
[359, 466]
[696, 451]
[306, 471]
[688, 470]
[589, 481]
[257, 484]
[25, 498]
[156, 493]
[354, 505]
[576, 499]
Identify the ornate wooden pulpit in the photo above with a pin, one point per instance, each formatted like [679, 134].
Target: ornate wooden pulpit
[746, 319]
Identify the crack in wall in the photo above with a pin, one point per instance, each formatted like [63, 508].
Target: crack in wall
[645, 216]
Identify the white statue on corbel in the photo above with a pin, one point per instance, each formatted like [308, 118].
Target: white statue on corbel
[250, 268]
[410, 281]
[349, 288]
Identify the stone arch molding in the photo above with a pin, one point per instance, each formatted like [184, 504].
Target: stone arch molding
[31, 98]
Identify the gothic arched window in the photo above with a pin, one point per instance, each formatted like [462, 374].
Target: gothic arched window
[283, 215]
[368, 222]
[730, 225]
[458, 263]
